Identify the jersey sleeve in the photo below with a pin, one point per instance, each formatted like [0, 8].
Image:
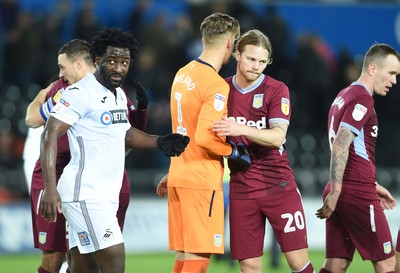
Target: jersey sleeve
[357, 113]
[213, 108]
[279, 106]
[52, 98]
[72, 105]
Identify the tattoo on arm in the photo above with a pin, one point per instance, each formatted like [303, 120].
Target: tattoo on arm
[280, 126]
[340, 154]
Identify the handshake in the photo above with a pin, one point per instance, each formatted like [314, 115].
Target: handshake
[240, 157]
[172, 144]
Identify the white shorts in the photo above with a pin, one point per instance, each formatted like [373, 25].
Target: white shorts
[93, 225]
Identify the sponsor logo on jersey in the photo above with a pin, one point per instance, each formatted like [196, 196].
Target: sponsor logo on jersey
[64, 102]
[84, 238]
[61, 105]
[57, 96]
[106, 118]
[359, 112]
[285, 106]
[42, 237]
[259, 124]
[114, 117]
[219, 102]
[217, 239]
[258, 100]
[108, 235]
[119, 116]
[387, 247]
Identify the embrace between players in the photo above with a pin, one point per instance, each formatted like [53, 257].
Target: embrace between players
[93, 112]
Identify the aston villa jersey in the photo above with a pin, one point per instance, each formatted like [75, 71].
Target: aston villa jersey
[270, 172]
[63, 154]
[353, 108]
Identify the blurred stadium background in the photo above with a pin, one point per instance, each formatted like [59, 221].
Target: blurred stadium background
[318, 47]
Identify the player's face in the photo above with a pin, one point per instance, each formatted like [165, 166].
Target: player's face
[68, 70]
[251, 62]
[114, 66]
[385, 76]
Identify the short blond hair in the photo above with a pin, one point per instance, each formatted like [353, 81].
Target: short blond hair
[217, 26]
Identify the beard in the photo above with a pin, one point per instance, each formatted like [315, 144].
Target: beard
[109, 81]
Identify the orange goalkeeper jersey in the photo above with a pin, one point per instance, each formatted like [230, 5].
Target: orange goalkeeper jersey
[198, 97]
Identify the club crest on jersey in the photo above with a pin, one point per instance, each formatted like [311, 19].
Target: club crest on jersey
[359, 112]
[217, 239]
[84, 238]
[285, 106]
[42, 237]
[258, 100]
[219, 102]
[387, 247]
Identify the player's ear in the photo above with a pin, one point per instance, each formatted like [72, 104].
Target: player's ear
[236, 54]
[97, 61]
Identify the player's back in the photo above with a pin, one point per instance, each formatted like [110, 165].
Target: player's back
[198, 97]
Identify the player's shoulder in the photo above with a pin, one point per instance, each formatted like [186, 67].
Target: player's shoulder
[121, 94]
[57, 89]
[274, 83]
[356, 92]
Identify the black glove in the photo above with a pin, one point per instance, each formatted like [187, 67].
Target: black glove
[240, 157]
[141, 95]
[173, 144]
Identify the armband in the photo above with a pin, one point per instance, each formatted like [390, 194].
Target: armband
[45, 109]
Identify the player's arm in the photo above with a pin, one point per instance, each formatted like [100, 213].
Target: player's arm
[273, 137]
[171, 144]
[51, 201]
[33, 117]
[339, 157]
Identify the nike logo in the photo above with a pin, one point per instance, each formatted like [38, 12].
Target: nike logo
[104, 99]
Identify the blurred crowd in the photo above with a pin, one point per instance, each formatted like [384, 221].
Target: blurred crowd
[168, 31]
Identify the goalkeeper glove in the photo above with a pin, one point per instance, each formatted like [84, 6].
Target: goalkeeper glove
[240, 157]
[172, 144]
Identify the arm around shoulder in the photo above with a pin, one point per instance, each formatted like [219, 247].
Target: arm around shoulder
[33, 116]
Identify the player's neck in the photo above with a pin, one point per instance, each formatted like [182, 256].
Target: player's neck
[213, 58]
[243, 83]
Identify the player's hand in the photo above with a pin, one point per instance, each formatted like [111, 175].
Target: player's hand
[173, 144]
[228, 127]
[386, 199]
[240, 157]
[50, 205]
[328, 207]
[141, 95]
[162, 188]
